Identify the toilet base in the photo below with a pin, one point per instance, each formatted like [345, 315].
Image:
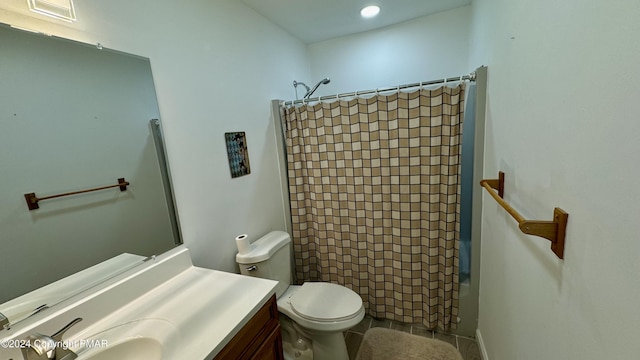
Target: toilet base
[330, 346]
[323, 345]
[291, 353]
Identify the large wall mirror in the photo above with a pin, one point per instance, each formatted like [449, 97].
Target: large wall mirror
[74, 116]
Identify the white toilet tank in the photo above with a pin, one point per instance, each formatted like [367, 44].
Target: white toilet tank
[269, 258]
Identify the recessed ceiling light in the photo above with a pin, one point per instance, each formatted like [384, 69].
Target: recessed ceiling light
[370, 11]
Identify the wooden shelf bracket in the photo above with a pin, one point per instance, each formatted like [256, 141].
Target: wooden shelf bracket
[554, 230]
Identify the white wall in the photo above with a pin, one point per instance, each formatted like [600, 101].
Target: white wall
[562, 123]
[426, 48]
[216, 66]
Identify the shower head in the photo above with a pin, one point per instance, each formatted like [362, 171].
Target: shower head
[324, 81]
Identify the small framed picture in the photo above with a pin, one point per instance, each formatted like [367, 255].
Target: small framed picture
[237, 153]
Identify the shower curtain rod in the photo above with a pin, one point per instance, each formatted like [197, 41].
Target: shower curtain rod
[470, 77]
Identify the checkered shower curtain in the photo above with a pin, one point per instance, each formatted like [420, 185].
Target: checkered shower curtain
[375, 197]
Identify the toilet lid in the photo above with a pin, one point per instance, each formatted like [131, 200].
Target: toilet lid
[322, 301]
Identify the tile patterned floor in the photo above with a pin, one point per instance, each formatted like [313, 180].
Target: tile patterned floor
[468, 347]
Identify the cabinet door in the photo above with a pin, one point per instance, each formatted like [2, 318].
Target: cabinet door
[257, 334]
[271, 348]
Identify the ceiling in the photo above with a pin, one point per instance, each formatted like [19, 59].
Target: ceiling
[317, 20]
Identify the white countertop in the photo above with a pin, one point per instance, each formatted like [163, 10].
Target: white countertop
[207, 307]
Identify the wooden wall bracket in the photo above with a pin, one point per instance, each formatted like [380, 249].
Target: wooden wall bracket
[32, 199]
[554, 231]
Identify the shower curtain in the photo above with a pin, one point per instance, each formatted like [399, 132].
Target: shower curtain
[375, 197]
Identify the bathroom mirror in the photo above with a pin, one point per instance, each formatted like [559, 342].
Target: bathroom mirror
[74, 117]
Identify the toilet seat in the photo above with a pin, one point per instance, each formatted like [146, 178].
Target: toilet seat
[325, 302]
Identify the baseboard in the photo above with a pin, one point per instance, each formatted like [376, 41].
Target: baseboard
[483, 351]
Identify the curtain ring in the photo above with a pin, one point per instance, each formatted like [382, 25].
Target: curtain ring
[445, 82]
[461, 78]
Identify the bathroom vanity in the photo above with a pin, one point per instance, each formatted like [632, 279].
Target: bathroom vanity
[165, 309]
[259, 339]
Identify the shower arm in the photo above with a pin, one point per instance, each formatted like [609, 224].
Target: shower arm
[295, 86]
[309, 92]
[296, 83]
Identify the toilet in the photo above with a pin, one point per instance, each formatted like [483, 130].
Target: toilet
[314, 315]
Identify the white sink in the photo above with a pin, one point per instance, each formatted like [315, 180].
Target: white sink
[149, 339]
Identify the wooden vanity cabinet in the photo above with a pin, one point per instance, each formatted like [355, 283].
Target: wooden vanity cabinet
[260, 339]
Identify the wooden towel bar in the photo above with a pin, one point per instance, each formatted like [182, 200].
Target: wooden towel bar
[32, 199]
[553, 231]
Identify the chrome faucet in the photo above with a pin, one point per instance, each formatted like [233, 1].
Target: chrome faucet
[41, 347]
